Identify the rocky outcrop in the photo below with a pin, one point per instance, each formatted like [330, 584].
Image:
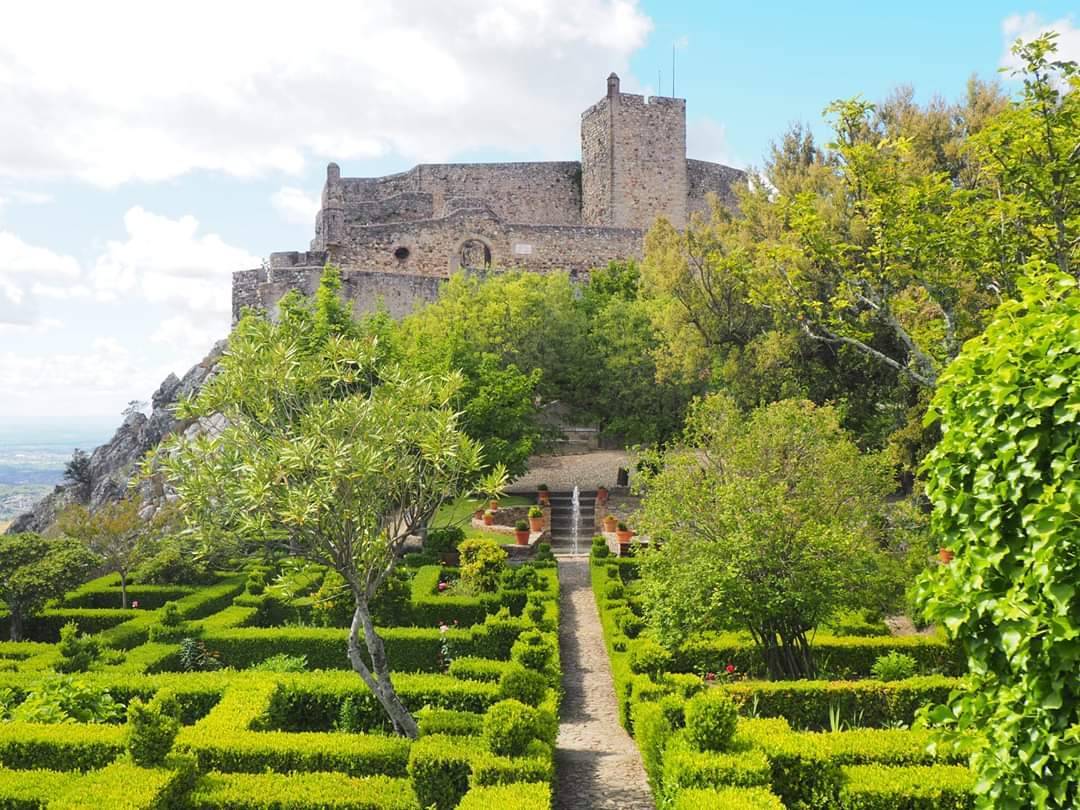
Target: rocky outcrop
[113, 463]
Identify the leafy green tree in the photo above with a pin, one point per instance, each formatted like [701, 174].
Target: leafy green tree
[34, 569]
[769, 523]
[1005, 488]
[323, 445]
[115, 532]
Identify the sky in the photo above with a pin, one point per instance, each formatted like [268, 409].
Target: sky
[149, 151]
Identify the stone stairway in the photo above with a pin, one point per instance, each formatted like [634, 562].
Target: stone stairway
[562, 517]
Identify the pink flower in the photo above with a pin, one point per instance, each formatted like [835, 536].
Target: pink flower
[135, 603]
[443, 586]
[710, 676]
[730, 668]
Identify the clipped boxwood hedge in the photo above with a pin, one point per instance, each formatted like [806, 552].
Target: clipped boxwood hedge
[301, 791]
[530, 796]
[878, 787]
[727, 799]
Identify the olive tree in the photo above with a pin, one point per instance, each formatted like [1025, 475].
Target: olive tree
[316, 441]
[1005, 487]
[768, 523]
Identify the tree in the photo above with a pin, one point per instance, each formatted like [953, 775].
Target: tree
[77, 471]
[328, 448]
[115, 532]
[1005, 489]
[769, 523]
[34, 570]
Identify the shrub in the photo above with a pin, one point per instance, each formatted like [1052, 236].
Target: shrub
[439, 771]
[525, 685]
[171, 565]
[300, 791]
[894, 666]
[65, 699]
[521, 525]
[534, 650]
[711, 718]
[543, 552]
[630, 624]
[522, 578]
[450, 722]
[614, 590]
[170, 615]
[152, 728]
[520, 796]
[647, 657]
[256, 583]
[77, 652]
[879, 787]
[443, 540]
[599, 548]
[282, 662]
[509, 727]
[1005, 488]
[730, 798]
[196, 657]
[481, 563]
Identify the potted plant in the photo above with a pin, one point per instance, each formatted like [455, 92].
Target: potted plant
[479, 513]
[623, 532]
[945, 555]
[536, 519]
[521, 532]
[543, 495]
[492, 485]
[489, 517]
[610, 523]
[601, 494]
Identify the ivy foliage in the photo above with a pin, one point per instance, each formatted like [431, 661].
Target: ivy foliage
[1005, 485]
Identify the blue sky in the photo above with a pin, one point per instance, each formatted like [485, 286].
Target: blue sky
[137, 172]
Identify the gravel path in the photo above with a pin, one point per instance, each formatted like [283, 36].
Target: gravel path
[596, 762]
[560, 473]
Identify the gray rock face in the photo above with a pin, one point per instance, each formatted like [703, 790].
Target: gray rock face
[113, 464]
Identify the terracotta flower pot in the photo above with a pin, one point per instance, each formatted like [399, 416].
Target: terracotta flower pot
[536, 524]
[522, 537]
[601, 494]
[624, 537]
[611, 523]
[945, 555]
[493, 505]
[479, 514]
[488, 519]
[543, 497]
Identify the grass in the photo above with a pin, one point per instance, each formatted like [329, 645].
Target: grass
[460, 511]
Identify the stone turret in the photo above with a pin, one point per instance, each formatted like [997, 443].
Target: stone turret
[633, 160]
[330, 221]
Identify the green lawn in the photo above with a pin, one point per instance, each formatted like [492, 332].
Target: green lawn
[460, 511]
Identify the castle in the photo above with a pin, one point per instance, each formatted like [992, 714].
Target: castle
[396, 238]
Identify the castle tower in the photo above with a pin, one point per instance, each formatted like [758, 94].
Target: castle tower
[633, 160]
[330, 221]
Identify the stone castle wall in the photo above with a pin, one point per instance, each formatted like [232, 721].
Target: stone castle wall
[394, 237]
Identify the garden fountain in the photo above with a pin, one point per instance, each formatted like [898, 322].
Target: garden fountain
[575, 516]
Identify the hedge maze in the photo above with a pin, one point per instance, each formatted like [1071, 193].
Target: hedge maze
[227, 695]
[842, 743]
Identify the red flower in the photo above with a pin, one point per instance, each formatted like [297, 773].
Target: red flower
[730, 668]
[711, 676]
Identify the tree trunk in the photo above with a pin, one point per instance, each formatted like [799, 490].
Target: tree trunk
[16, 624]
[787, 653]
[123, 589]
[378, 681]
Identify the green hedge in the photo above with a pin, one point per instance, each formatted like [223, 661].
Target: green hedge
[531, 796]
[877, 787]
[850, 656]
[301, 791]
[30, 789]
[866, 703]
[302, 704]
[125, 786]
[727, 799]
[60, 747]
[686, 767]
[149, 597]
[439, 768]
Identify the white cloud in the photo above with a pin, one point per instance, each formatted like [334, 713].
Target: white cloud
[28, 272]
[1029, 26]
[95, 380]
[295, 206]
[168, 261]
[117, 95]
[706, 139]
